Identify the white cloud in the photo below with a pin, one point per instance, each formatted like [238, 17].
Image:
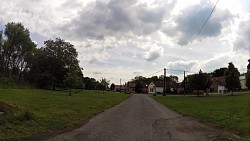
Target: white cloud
[153, 53]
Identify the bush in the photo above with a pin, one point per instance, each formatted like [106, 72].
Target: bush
[6, 82]
[25, 116]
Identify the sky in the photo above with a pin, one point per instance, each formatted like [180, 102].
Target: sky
[122, 39]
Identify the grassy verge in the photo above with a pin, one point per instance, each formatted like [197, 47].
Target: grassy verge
[231, 112]
[47, 111]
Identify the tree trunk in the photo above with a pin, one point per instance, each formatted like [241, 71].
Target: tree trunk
[70, 92]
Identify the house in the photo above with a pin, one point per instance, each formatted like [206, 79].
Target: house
[175, 87]
[155, 87]
[144, 88]
[243, 82]
[218, 85]
[130, 87]
[119, 88]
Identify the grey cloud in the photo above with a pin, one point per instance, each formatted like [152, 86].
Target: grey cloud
[242, 42]
[92, 60]
[153, 53]
[216, 62]
[116, 18]
[182, 66]
[137, 72]
[191, 19]
[97, 72]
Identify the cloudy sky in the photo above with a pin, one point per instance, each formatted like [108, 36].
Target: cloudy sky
[126, 38]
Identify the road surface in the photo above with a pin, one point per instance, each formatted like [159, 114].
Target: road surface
[140, 118]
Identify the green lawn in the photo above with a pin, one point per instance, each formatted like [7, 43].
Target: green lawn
[47, 111]
[232, 112]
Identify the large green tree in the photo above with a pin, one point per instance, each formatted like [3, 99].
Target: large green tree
[16, 50]
[62, 56]
[232, 78]
[56, 64]
[200, 81]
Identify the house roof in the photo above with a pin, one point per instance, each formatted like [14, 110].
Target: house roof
[158, 83]
[131, 84]
[219, 80]
[175, 85]
[119, 86]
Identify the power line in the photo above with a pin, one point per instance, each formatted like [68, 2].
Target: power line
[168, 69]
[154, 73]
[180, 70]
[199, 30]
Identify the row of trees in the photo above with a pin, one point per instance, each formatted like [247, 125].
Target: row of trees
[93, 84]
[51, 66]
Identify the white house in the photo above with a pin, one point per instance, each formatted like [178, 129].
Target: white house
[155, 87]
[243, 82]
[218, 85]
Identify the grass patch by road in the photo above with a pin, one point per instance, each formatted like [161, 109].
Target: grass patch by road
[232, 112]
[47, 111]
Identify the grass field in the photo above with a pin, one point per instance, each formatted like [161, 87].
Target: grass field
[47, 111]
[231, 112]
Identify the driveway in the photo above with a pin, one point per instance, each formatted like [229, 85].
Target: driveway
[140, 118]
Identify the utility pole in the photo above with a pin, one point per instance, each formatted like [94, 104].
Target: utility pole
[164, 83]
[184, 83]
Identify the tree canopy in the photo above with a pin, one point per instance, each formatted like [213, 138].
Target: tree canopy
[16, 51]
[248, 79]
[51, 66]
[232, 77]
[219, 72]
[200, 81]
[248, 75]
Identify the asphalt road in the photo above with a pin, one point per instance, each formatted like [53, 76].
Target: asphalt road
[140, 118]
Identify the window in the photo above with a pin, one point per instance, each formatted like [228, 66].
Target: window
[151, 90]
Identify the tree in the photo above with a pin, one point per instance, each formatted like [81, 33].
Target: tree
[104, 84]
[1, 54]
[16, 50]
[248, 66]
[55, 65]
[248, 75]
[138, 87]
[90, 83]
[219, 72]
[173, 78]
[248, 79]
[73, 79]
[200, 82]
[112, 87]
[232, 78]
[61, 56]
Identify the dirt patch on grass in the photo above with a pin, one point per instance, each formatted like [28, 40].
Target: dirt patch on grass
[6, 109]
